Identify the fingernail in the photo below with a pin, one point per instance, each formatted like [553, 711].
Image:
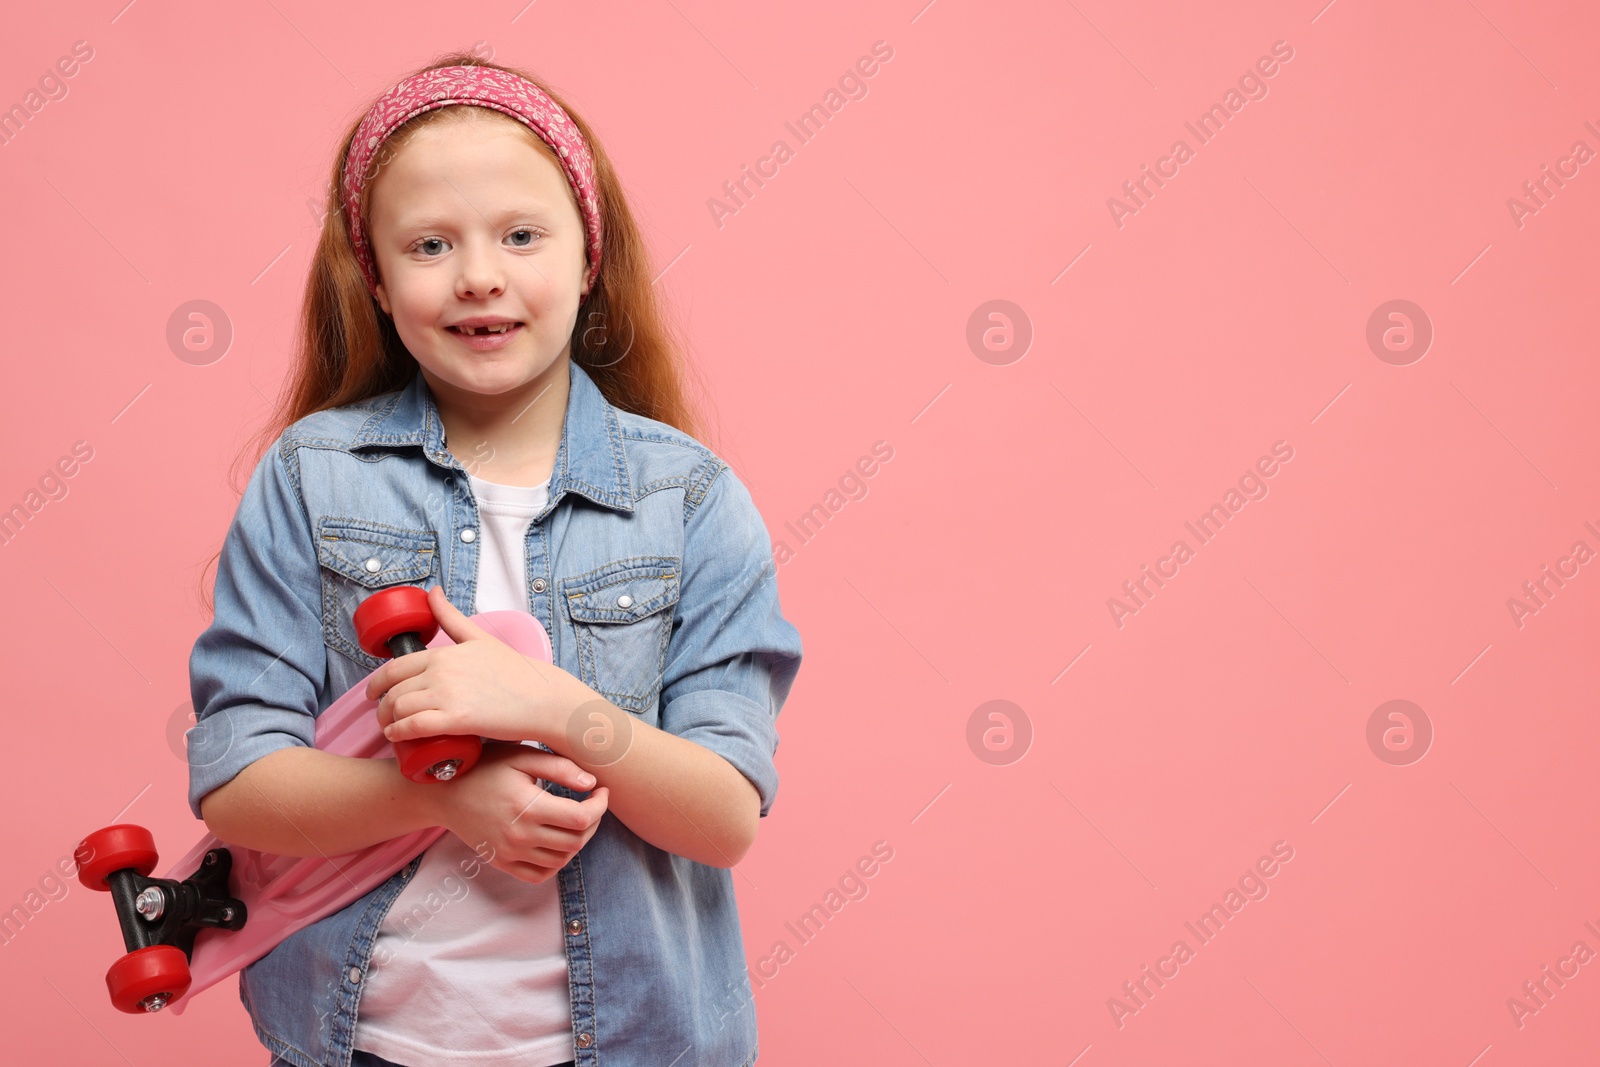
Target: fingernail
[586, 779]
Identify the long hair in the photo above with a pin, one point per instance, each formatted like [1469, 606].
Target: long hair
[348, 350]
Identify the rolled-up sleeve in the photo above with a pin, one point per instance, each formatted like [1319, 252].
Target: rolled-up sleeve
[255, 672]
[733, 657]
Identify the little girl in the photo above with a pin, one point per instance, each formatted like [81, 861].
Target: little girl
[487, 404]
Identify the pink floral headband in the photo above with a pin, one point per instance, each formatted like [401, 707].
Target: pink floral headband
[482, 87]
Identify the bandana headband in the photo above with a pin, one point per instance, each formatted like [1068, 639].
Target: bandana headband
[482, 87]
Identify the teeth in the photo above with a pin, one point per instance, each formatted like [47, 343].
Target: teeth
[502, 328]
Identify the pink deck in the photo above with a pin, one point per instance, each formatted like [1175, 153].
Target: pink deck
[287, 893]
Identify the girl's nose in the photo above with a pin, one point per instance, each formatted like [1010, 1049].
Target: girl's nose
[480, 273]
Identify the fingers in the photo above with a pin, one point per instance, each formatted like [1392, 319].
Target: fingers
[555, 768]
[396, 670]
[590, 808]
[390, 707]
[560, 843]
[407, 699]
[527, 872]
[451, 620]
[428, 723]
[587, 834]
[540, 864]
[595, 803]
[399, 688]
[561, 813]
[549, 829]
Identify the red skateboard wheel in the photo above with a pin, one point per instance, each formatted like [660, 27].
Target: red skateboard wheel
[386, 614]
[114, 848]
[148, 979]
[418, 757]
[397, 610]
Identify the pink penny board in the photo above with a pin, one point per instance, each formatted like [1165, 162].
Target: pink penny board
[287, 893]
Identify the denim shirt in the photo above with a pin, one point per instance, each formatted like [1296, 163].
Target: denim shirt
[635, 509]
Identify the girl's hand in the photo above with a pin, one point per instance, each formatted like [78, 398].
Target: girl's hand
[514, 823]
[479, 685]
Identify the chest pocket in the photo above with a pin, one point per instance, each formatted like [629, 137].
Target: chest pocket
[358, 558]
[621, 615]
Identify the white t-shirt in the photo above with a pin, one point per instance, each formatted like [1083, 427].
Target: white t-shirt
[469, 965]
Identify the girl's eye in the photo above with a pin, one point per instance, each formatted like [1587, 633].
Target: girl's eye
[428, 244]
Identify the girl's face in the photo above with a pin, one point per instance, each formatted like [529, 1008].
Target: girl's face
[470, 221]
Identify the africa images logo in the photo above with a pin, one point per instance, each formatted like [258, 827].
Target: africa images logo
[1252, 85]
[852, 85]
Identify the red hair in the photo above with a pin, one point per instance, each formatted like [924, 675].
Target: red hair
[347, 349]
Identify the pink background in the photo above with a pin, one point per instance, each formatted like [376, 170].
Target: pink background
[832, 312]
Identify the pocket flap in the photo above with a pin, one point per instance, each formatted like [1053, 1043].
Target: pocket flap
[374, 555]
[624, 591]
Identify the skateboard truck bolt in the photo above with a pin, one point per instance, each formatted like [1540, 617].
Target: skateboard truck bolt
[445, 770]
[164, 911]
[150, 904]
[159, 917]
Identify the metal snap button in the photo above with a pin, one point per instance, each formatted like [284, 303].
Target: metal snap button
[585, 1039]
[624, 601]
[538, 585]
[355, 975]
[374, 565]
[469, 535]
[574, 927]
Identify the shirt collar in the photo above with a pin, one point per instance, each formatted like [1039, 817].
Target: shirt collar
[591, 460]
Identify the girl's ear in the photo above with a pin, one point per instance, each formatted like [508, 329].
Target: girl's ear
[383, 301]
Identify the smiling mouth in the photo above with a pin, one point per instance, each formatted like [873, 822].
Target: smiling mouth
[479, 331]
